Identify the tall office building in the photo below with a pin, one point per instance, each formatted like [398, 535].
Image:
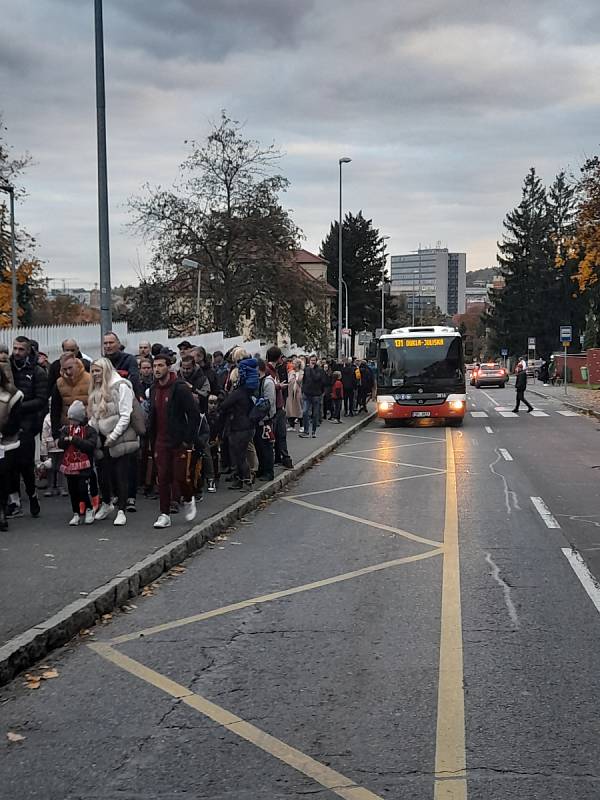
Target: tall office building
[432, 277]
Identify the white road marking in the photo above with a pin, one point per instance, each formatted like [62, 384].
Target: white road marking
[489, 396]
[370, 483]
[568, 413]
[505, 454]
[479, 413]
[385, 461]
[488, 429]
[508, 414]
[538, 413]
[410, 435]
[544, 512]
[586, 578]
[391, 447]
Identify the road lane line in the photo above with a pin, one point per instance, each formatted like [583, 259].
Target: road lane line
[410, 435]
[450, 749]
[568, 413]
[477, 414]
[488, 429]
[489, 397]
[391, 447]
[267, 598]
[505, 454]
[545, 512]
[508, 414]
[370, 523]
[537, 413]
[321, 774]
[586, 578]
[385, 461]
[370, 483]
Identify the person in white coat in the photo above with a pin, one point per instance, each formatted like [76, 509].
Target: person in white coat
[110, 407]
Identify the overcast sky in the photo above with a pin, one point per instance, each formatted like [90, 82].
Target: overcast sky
[442, 105]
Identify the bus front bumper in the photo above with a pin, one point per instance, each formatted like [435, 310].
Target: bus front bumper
[454, 407]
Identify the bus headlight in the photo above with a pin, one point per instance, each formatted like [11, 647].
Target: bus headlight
[457, 405]
[385, 403]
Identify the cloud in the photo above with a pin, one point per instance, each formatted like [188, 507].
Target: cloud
[442, 106]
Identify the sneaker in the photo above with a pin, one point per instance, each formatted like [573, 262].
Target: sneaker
[287, 463]
[235, 484]
[50, 492]
[74, 520]
[14, 510]
[120, 519]
[163, 521]
[63, 492]
[104, 510]
[89, 516]
[34, 506]
[211, 489]
[314, 435]
[130, 505]
[266, 478]
[304, 435]
[189, 510]
[174, 507]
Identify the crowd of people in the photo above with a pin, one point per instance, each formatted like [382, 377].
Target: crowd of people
[170, 425]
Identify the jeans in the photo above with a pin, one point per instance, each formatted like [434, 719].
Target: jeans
[279, 426]
[312, 410]
[337, 408]
[349, 402]
[238, 449]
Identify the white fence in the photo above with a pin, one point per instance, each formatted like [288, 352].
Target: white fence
[88, 337]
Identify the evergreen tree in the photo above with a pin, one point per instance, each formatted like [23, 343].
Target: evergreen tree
[363, 260]
[526, 262]
[585, 247]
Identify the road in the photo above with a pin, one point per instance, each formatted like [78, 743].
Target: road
[401, 623]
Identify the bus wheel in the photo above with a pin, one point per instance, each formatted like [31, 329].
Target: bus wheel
[389, 423]
[456, 422]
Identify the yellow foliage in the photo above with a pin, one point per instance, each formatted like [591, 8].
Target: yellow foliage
[587, 234]
[26, 271]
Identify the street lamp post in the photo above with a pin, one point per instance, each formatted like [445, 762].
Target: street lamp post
[383, 239]
[345, 285]
[104, 244]
[190, 264]
[10, 190]
[340, 353]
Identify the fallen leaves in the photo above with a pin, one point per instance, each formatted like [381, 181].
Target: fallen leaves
[34, 680]
[48, 674]
[14, 737]
[106, 618]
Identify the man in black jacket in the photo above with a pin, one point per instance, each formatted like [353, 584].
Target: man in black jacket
[32, 380]
[350, 383]
[173, 425]
[313, 384]
[520, 386]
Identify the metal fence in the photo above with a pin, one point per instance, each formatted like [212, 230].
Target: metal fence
[89, 339]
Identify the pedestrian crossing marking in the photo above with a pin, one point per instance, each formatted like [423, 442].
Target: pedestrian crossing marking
[479, 413]
[508, 414]
[538, 413]
[568, 413]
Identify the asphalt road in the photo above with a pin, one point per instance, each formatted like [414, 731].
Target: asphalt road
[402, 611]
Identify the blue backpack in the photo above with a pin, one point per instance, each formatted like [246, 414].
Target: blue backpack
[248, 373]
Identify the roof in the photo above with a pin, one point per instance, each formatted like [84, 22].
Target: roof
[329, 290]
[306, 257]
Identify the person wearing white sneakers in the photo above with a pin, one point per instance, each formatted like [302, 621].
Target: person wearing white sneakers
[79, 441]
[173, 424]
[110, 406]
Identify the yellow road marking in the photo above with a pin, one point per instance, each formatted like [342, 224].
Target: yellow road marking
[266, 598]
[370, 523]
[382, 461]
[370, 483]
[450, 751]
[329, 778]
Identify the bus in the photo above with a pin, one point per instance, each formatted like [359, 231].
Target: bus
[421, 375]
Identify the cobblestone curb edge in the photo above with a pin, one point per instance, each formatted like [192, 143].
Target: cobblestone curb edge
[24, 650]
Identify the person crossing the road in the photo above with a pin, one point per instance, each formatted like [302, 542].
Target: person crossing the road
[521, 385]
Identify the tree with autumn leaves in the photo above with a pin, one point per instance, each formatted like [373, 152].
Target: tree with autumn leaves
[28, 267]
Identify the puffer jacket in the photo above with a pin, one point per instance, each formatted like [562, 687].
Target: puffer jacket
[32, 380]
[65, 392]
[114, 426]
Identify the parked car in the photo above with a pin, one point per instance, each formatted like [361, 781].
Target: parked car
[489, 375]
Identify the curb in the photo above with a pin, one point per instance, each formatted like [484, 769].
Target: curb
[24, 650]
[581, 409]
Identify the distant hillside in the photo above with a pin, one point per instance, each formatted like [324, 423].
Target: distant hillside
[485, 274]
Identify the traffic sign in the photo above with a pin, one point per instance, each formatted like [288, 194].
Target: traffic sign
[566, 334]
[364, 337]
[504, 352]
[346, 331]
[531, 343]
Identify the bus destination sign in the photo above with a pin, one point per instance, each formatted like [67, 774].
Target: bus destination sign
[418, 342]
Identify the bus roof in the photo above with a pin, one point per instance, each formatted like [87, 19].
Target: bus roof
[424, 331]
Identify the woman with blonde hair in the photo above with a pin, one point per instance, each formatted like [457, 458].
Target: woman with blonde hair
[110, 407]
[293, 404]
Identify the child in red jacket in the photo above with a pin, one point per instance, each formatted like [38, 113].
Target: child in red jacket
[337, 395]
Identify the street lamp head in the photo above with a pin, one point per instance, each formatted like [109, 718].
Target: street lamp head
[189, 263]
[345, 160]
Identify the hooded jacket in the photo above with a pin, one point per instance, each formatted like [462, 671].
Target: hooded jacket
[32, 380]
[66, 391]
[182, 415]
[54, 370]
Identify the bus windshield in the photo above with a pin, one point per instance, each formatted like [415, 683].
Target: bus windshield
[420, 361]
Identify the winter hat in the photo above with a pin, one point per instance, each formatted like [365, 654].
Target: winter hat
[76, 411]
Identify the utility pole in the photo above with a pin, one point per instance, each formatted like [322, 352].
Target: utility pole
[339, 326]
[103, 238]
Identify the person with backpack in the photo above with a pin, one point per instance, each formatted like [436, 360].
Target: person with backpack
[235, 413]
[264, 435]
[79, 441]
[173, 424]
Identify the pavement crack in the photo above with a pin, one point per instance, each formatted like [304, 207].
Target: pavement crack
[509, 495]
[506, 589]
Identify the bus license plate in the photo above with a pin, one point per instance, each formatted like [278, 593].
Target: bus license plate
[421, 413]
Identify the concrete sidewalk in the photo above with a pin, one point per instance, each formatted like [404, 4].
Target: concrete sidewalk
[586, 401]
[75, 573]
